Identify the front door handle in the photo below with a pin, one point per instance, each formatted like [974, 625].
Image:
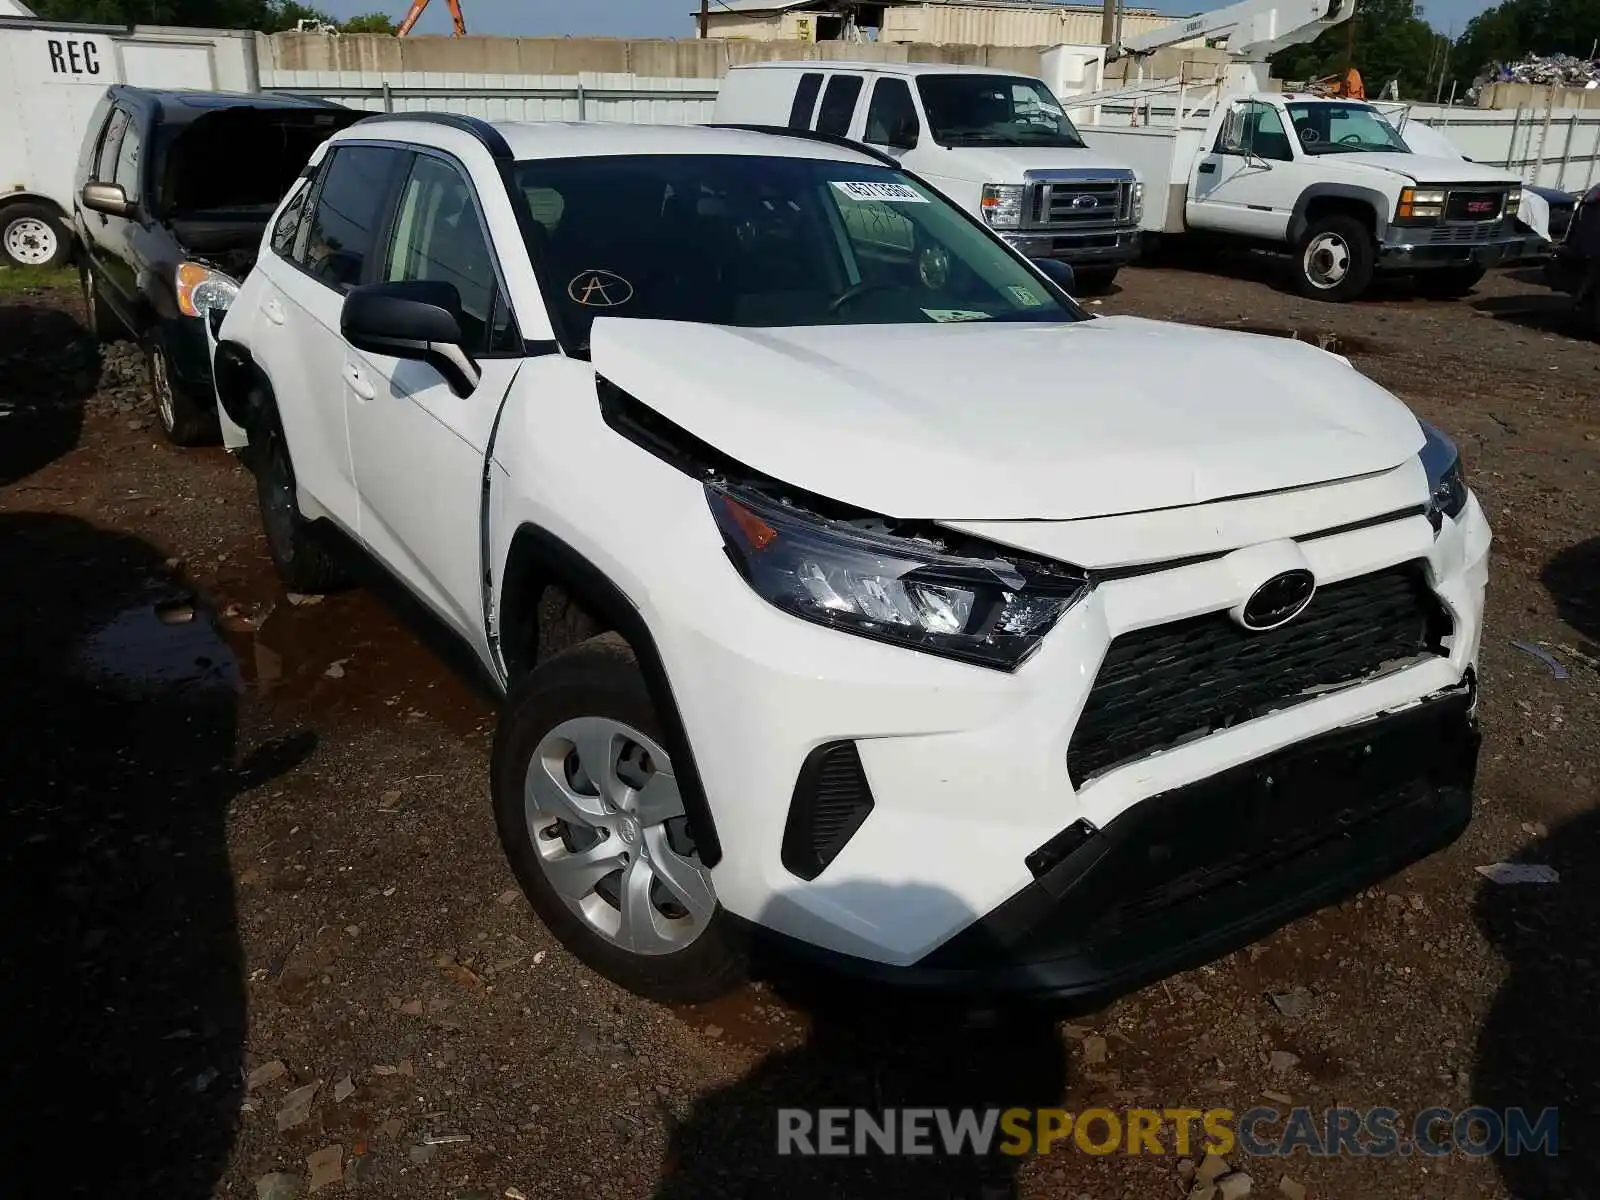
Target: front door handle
[359, 384]
[1208, 168]
[272, 310]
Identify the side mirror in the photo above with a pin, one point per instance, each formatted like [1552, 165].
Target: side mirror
[1059, 273]
[415, 319]
[108, 198]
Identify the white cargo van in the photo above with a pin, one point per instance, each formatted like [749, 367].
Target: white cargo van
[997, 143]
[52, 75]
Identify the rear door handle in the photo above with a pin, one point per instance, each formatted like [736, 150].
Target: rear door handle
[359, 384]
[272, 310]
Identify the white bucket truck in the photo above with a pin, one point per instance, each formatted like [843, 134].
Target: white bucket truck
[1328, 180]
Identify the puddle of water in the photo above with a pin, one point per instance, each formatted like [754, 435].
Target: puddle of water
[1334, 343]
[159, 646]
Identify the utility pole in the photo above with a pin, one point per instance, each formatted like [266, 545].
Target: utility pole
[1108, 22]
[705, 19]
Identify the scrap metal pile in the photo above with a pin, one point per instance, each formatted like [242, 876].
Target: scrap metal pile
[1555, 70]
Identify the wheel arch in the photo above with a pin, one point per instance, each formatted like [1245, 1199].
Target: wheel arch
[1368, 205]
[538, 560]
[240, 383]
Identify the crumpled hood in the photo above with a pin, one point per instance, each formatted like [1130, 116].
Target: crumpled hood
[1008, 164]
[1424, 168]
[1001, 421]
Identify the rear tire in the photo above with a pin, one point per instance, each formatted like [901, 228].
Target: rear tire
[305, 558]
[1095, 281]
[184, 421]
[1334, 259]
[102, 322]
[638, 909]
[33, 235]
[1449, 283]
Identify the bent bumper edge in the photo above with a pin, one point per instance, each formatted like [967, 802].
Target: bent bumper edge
[1201, 871]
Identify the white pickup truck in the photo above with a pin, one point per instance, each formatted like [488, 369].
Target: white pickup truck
[1331, 181]
[997, 143]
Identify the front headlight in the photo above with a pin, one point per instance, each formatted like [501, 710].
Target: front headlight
[201, 288]
[1513, 202]
[1447, 482]
[1420, 204]
[1002, 205]
[916, 592]
[1138, 203]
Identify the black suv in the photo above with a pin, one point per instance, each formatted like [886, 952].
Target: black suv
[1574, 267]
[174, 190]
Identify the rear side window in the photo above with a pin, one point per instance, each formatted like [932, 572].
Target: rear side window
[349, 210]
[287, 230]
[805, 100]
[839, 105]
[105, 166]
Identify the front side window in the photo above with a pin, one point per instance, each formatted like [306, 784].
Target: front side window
[764, 243]
[994, 110]
[349, 209]
[437, 237]
[105, 168]
[1255, 129]
[1344, 129]
[129, 157]
[839, 105]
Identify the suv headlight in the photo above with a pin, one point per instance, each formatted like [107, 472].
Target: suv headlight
[991, 611]
[1002, 205]
[1447, 482]
[201, 288]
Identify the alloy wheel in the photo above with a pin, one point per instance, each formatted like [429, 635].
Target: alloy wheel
[161, 384]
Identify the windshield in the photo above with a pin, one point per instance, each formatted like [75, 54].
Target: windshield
[1343, 129]
[763, 242]
[994, 110]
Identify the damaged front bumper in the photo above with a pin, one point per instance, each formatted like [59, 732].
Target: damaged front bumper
[1410, 249]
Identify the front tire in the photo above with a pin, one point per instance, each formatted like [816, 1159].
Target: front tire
[32, 235]
[183, 420]
[593, 825]
[305, 559]
[1334, 259]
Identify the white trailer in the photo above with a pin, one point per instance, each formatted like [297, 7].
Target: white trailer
[51, 76]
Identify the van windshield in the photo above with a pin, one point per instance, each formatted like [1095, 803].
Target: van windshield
[995, 110]
[759, 241]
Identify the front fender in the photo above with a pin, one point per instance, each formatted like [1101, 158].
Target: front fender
[1372, 197]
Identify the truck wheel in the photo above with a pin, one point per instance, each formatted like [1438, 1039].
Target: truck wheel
[32, 235]
[1094, 281]
[589, 814]
[1450, 282]
[183, 420]
[304, 556]
[1334, 259]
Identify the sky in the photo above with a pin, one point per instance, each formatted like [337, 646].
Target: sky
[673, 18]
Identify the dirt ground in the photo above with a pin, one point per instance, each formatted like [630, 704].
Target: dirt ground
[254, 907]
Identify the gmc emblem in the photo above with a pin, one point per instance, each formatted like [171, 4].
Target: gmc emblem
[1480, 206]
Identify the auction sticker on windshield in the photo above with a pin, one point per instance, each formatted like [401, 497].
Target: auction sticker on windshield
[892, 193]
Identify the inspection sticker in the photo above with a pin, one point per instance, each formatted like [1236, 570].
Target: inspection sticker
[891, 193]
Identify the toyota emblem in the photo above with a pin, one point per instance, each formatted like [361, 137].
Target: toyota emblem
[1278, 601]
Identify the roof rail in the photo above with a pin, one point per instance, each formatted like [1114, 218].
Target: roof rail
[811, 135]
[488, 136]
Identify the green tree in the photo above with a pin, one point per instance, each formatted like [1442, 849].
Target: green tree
[1392, 41]
[373, 22]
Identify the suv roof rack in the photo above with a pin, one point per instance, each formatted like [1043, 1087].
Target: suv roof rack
[490, 138]
[811, 135]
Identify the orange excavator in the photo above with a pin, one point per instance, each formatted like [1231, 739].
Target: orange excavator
[416, 11]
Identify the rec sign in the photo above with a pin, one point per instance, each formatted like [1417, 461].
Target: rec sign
[72, 58]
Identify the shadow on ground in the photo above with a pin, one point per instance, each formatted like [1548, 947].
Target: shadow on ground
[1543, 311]
[1539, 1047]
[870, 1048]
[48, 367]
[1573, 580]
[124, 995]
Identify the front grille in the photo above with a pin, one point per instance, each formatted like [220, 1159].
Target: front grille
[1079, 205]
[1471, 233]
[1473, 206]
[831, 800]
[1170, 684]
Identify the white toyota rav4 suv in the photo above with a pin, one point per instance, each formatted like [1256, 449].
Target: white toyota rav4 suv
[846, 581]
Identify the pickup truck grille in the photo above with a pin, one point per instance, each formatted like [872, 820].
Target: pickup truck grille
[1080, 204]
[1467, 234]
[1473, 205]
[1170, 684]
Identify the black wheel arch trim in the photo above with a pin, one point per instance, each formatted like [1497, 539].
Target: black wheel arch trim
[235, 373]
[1376, 200]
[617, 610]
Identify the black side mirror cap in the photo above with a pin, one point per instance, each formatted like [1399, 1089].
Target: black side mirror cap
[415, 319]
[1059, 273]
